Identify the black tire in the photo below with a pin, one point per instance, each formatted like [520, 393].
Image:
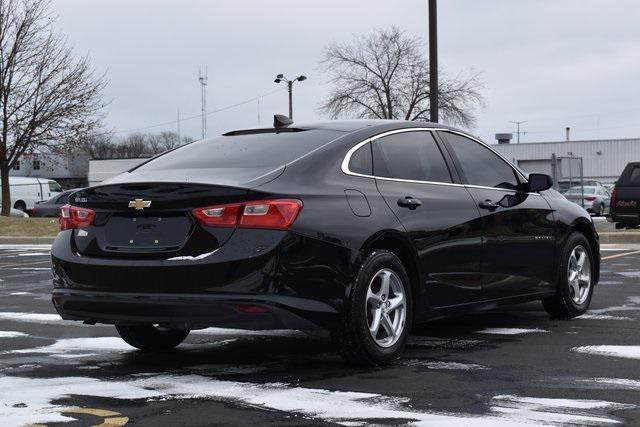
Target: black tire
[352, 338]
[151, 337]
[20, 205]
[561, 304]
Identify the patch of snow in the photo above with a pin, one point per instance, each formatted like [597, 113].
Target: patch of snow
[32, 317]
[248, 332]
[633, 274]
[15, 294]
[33, 404]
[447, 365]
[589, 316]
[622, 351]
[29, 268]
[12, 334]
[83, 346]
[510, 331]
[35, 254]
[26, 247]
[612, 383]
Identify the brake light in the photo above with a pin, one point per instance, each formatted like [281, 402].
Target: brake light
[74, 217]
[590, 198]
[614, 197]
[277, 214]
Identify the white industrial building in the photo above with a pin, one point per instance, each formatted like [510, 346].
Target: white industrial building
[100, 170]
[602, 160]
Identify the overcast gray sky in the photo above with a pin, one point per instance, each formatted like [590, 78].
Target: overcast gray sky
[554, 63]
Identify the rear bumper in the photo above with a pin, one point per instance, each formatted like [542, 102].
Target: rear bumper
[625, 219]
[194, 311]
[268, 268]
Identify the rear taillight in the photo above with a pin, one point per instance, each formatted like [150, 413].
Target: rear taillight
[74, 217]
[590, 198]
[614, 197]
[276, 214]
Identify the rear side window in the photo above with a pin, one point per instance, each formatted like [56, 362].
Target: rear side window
[634, 176]
[480, 165]
[361, 161]
[409, 155]
[242, 151]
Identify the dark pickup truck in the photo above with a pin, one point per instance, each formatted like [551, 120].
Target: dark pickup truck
[625, 199]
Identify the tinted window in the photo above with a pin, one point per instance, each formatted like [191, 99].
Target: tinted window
[634, 178]
[361, 161]
[480, 165]
[242, 151]
[409, 155]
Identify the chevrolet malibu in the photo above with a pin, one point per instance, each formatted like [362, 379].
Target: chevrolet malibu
[360, 228]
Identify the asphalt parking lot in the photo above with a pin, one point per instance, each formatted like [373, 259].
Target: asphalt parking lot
[505, 367]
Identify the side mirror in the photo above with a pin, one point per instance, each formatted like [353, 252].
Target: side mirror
[539, 182]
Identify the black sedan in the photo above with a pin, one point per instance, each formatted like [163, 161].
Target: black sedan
[51, 207]
[362, 228]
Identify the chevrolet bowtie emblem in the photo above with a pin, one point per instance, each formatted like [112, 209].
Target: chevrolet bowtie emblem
[139, 204]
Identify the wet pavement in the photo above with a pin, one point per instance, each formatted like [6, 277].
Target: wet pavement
[509, 366]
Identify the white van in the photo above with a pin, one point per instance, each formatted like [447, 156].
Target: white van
[25, 191]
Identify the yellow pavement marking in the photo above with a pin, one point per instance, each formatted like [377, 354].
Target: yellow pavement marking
[620, 255]
[109, 418]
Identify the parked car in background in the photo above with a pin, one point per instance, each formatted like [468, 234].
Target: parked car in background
[625, 200]
[595, 199]
[362, 228]
[51, 207]
[25, 191]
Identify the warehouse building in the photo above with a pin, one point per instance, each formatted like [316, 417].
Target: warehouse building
[594, 160]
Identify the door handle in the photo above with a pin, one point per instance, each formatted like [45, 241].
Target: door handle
[488, 205]
[409, 202]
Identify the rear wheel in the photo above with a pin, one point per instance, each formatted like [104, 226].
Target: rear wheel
[575, 280]
[151, 337]
[378, 317]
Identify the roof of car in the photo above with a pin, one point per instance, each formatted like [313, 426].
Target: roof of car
[345, 126]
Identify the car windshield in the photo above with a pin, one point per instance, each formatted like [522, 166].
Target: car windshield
[578, 190]
[259, 150]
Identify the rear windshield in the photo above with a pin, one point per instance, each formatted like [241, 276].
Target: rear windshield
[242, 151]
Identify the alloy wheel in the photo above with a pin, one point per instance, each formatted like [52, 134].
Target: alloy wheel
[386, 308]
[579, 275]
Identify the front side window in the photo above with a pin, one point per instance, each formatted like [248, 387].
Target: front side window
[409, 155]
[54, 187]
[480, 165]
[634, 178]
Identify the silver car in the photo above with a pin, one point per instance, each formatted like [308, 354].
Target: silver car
[596, 199]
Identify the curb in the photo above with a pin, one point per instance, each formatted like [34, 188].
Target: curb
[620, 237]
[10, 240]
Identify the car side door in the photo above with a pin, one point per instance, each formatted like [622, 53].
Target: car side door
[519, 232]
[440, 217]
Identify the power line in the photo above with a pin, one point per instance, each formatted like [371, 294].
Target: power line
[196, 116]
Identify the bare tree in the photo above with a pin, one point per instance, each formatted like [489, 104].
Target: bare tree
[385, 75]
[104, 146]
[48, 96]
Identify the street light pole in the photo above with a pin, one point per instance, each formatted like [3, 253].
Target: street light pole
[281, 78]
[290, 84]
[433, 61]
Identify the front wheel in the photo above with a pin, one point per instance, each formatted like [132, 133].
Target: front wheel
[378, 316]
[151, 337]
[575, 279]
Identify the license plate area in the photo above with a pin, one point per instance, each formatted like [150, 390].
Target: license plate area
[148, 233]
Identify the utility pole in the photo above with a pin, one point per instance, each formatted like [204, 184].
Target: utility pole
[281, 78]
[178, 123]
[518, 123]
[203, 78]
[433, 61]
